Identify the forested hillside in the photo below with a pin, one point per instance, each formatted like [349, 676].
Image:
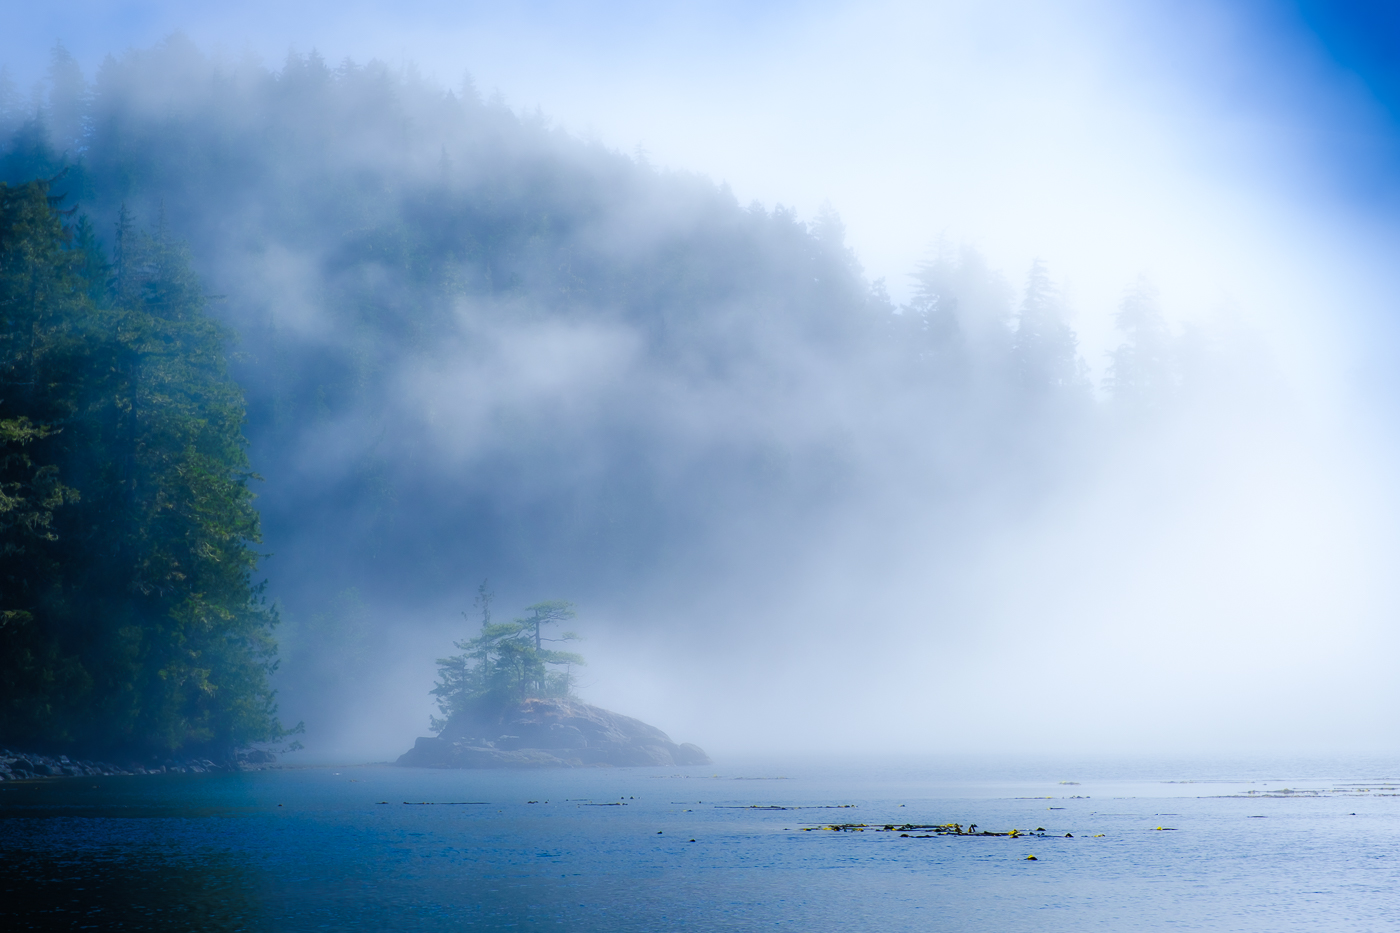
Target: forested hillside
[129, 620]
[472, 344]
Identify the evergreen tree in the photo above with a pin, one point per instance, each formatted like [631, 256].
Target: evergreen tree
[1142, 369]
[43, 309]
[131, 618]
[1045, 348]
[546, 682]
[69, 100]
[506, 662]
[960, 312]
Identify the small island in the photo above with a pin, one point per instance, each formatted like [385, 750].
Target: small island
[507, 702]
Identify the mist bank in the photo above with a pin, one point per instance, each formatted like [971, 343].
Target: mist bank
[475, 346]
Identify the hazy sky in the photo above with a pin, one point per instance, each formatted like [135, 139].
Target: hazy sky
[1242, 154]
[1208, 144]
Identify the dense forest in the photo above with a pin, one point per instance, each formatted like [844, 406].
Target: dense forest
[128, 616]
[469, 343]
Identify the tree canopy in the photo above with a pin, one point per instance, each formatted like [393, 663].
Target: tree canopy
[507, 662]
[129, 619]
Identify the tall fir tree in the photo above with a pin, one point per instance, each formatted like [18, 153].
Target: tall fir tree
[1046, 349]
[1142, 370]
[131, 617]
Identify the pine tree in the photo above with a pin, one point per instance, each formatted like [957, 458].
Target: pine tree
[506, 662]
[1142, 368]
[132, 619]
[1046, 349]
[959, 316]
[43, 310]
[69, 100]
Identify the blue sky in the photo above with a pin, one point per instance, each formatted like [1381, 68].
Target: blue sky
[1360, 37]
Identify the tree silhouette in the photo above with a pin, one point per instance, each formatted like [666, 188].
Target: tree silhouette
[1045, 348]
[1142, 370]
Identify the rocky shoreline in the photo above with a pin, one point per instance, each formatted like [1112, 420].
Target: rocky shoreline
[29, 766]
[549, 733]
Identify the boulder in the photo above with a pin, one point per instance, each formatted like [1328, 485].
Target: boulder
[549, 733]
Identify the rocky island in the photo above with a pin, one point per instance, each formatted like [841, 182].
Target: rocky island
[507, 702]
[549, 732]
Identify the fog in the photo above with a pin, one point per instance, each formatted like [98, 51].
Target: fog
[930, 377]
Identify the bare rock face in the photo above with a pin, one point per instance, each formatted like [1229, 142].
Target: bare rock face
[549, 733]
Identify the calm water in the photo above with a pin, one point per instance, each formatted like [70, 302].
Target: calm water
[315, 849]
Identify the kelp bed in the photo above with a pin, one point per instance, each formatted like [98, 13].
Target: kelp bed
[926, 830]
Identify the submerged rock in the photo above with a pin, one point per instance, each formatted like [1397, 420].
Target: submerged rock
[549, 733]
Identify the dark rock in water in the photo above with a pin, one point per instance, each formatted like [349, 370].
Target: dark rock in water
[549, 733]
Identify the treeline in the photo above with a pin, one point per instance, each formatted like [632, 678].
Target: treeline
[473, 343]
[129, 621]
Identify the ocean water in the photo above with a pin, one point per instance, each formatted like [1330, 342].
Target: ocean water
[1155, 845]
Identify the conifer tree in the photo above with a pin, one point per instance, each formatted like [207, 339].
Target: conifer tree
[506, 662]
[1142, 368]
[1045, 349]
[131, 617]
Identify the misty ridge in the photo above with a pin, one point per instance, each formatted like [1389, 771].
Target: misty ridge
[474, 345]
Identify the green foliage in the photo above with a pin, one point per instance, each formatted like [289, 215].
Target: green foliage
[130, 620]
[29, 493]
[507, 661]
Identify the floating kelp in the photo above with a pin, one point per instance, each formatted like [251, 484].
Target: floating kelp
[924, 830]
[754, 806]
[1373, 789]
